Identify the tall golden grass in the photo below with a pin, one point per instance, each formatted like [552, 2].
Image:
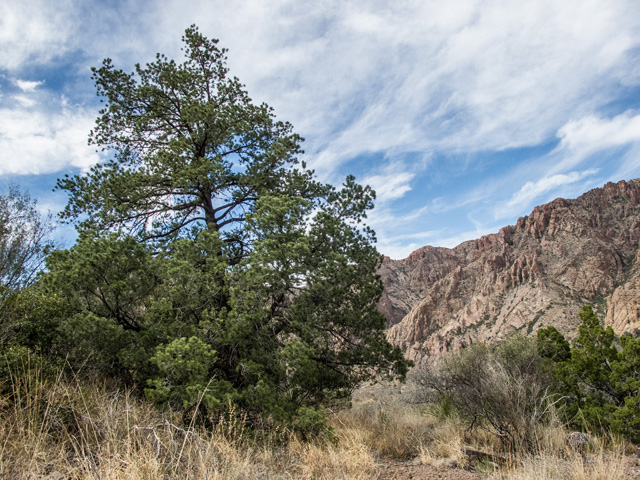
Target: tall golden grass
[62, 427]
[67, 428]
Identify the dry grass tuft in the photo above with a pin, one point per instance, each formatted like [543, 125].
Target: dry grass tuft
[445, 447]
[600, 465]
[394, 431]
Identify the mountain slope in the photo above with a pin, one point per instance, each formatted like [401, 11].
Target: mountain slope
[539, 272]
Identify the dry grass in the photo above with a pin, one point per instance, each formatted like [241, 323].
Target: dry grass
[69, 429]
[64, 428]
[600, 459]
[600, 464]
[446, 446]
[390, 430]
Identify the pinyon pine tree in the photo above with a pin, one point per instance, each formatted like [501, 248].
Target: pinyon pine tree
[219, 269]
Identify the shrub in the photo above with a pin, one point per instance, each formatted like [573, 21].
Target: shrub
[502, 389]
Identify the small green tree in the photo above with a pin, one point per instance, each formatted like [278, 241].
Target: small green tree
[597, 377]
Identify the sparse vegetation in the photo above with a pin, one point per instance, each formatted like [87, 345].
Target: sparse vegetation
[502, 390]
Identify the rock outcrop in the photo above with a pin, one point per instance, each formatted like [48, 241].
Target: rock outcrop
[539, 272]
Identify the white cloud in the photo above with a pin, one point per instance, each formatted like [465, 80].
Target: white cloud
[46, 139]
[383, 218]
[26, 85]
[629, 166]
[389, 185]
[493, 76]
[586, 145]
[401, 246]
[531, 191]
[414, 76]
[593, 134]
[24, 100]
[363, 77]
[34, 31]
[456, 239]
[398, 250]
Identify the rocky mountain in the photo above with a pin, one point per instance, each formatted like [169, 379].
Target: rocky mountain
[540, 272]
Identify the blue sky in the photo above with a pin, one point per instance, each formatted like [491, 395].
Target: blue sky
[462, 115]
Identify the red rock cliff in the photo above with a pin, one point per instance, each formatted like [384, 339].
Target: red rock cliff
[539, 272]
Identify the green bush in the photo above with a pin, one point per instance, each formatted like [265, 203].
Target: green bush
[183, 377]
[597, 378]
[20, 366]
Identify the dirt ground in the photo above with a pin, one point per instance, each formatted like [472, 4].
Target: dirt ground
[415, 471]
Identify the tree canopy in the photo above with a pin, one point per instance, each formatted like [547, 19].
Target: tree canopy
[189, 148]
[219, 268]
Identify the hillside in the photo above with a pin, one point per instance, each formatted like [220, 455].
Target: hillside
[539, 272]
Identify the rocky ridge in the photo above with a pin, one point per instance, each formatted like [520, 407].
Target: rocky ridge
[539, 272]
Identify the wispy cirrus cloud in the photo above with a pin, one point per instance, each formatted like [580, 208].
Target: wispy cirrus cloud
[390, 183]
[530, 192]
[587, 150]
[364, 77]
[367, 77]
[594, 134]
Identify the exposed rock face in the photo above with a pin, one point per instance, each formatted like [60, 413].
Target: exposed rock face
[539, 272]
[407, 281]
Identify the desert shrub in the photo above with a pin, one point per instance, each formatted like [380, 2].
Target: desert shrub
[502, 389]
[24, 242]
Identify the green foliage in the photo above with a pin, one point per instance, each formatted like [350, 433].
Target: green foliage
[189, 148]
[115, 276]
[312, 422]
[183, 375]
[211, 267]
[551, 344]
[35, 317]
[599, 381]
[19, 363]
